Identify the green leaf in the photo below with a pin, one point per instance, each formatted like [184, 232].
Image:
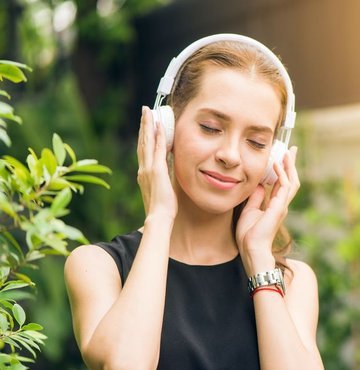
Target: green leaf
[13, 242]
[3, 123]
[49, 160]
[61, 200]
[84, 162]
[70, 152]
[14, 284]
[36, 335]
[59, 149]
[12, 71]
[11, 117]
[92, 168]
[4, 137]
[6, 108]
[32, 326]
[36, 169]
[16, 64]
[88, 179]
[57, 244]
[4, 93]
[6, 303]
[24, 343]
[74, 234]
[14, 357]
[59, 183]
[17, 167]
[6, 206]
[11, 342]
[24, 278]
[19, 314]
[34, 255]
[33, 153]
[4, 272]
[4, 324]
[29, 336]
[17, 295]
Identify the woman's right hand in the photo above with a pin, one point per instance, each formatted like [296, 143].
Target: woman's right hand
[153, 174]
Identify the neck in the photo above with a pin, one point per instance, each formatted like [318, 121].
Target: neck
[201, 238]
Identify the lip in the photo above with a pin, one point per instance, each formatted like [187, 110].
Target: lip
[220, 181]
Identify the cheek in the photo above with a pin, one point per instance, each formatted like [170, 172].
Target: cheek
[255, 165]
[189, 153]
[186, 145]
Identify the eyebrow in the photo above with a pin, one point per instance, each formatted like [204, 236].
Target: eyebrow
[216, 113]
[260, 128]
[224, 117]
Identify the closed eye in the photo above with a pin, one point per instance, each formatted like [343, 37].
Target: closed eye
[256, 144]
[209, 130]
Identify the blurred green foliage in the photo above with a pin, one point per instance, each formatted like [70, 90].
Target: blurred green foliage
[79, 88]
[82, 87]
[320, 230]
[33, 199]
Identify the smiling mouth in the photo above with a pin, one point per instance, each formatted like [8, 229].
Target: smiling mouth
[221, 178]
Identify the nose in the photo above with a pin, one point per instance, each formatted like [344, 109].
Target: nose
[228, 154]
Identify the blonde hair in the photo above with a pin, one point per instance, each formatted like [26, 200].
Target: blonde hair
[251, 61]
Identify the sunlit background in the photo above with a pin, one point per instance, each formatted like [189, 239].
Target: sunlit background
[96, 62]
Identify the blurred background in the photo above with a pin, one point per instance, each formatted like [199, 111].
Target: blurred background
[95, 62]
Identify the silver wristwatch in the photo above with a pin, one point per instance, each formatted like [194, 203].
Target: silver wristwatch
[272, 277]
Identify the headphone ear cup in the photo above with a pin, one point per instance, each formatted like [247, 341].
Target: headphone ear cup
[165, 116]
[277, 153]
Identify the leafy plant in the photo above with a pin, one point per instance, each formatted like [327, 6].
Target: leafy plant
[34, 197]
[323, 233]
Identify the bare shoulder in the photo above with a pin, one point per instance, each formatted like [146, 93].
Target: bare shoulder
[302, 294]
[300, 269]
[89, 266]
[89, 258]
[300, 275]
[85, 254]
[93, 283]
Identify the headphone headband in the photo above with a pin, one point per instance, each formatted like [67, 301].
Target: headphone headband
[167, 81]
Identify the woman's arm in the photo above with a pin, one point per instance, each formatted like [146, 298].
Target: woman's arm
[119, 327]
[286, 326]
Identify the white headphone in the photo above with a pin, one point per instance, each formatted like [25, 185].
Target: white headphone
[164, 114]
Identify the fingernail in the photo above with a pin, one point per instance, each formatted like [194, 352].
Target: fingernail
[143, 110]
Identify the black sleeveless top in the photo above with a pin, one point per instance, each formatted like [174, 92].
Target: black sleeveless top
[209, 321]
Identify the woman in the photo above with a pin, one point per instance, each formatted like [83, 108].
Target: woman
[174, 294]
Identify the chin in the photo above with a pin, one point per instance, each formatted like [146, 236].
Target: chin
[215, 207]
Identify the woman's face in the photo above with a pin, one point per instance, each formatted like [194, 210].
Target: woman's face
[223, 139]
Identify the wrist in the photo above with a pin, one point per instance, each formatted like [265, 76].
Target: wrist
[267, 280]
[258, 261]
[159, 220]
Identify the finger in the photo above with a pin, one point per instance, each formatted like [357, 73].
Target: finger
[281, 190]
[149, 137]
[160, 145]
[147, 142]
[256, 198]
[140, 134]
[289, 161]
[291, 171]
[278, 183]
[275, 188]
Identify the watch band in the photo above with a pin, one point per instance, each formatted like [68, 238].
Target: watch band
[272, 277]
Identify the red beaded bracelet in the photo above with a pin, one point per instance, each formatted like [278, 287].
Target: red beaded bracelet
[274, 289]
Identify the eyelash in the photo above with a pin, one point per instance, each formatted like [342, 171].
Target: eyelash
[214, 131]
[209, 130]
[257, 145]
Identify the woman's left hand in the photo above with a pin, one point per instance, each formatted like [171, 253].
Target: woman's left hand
[256, 228]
